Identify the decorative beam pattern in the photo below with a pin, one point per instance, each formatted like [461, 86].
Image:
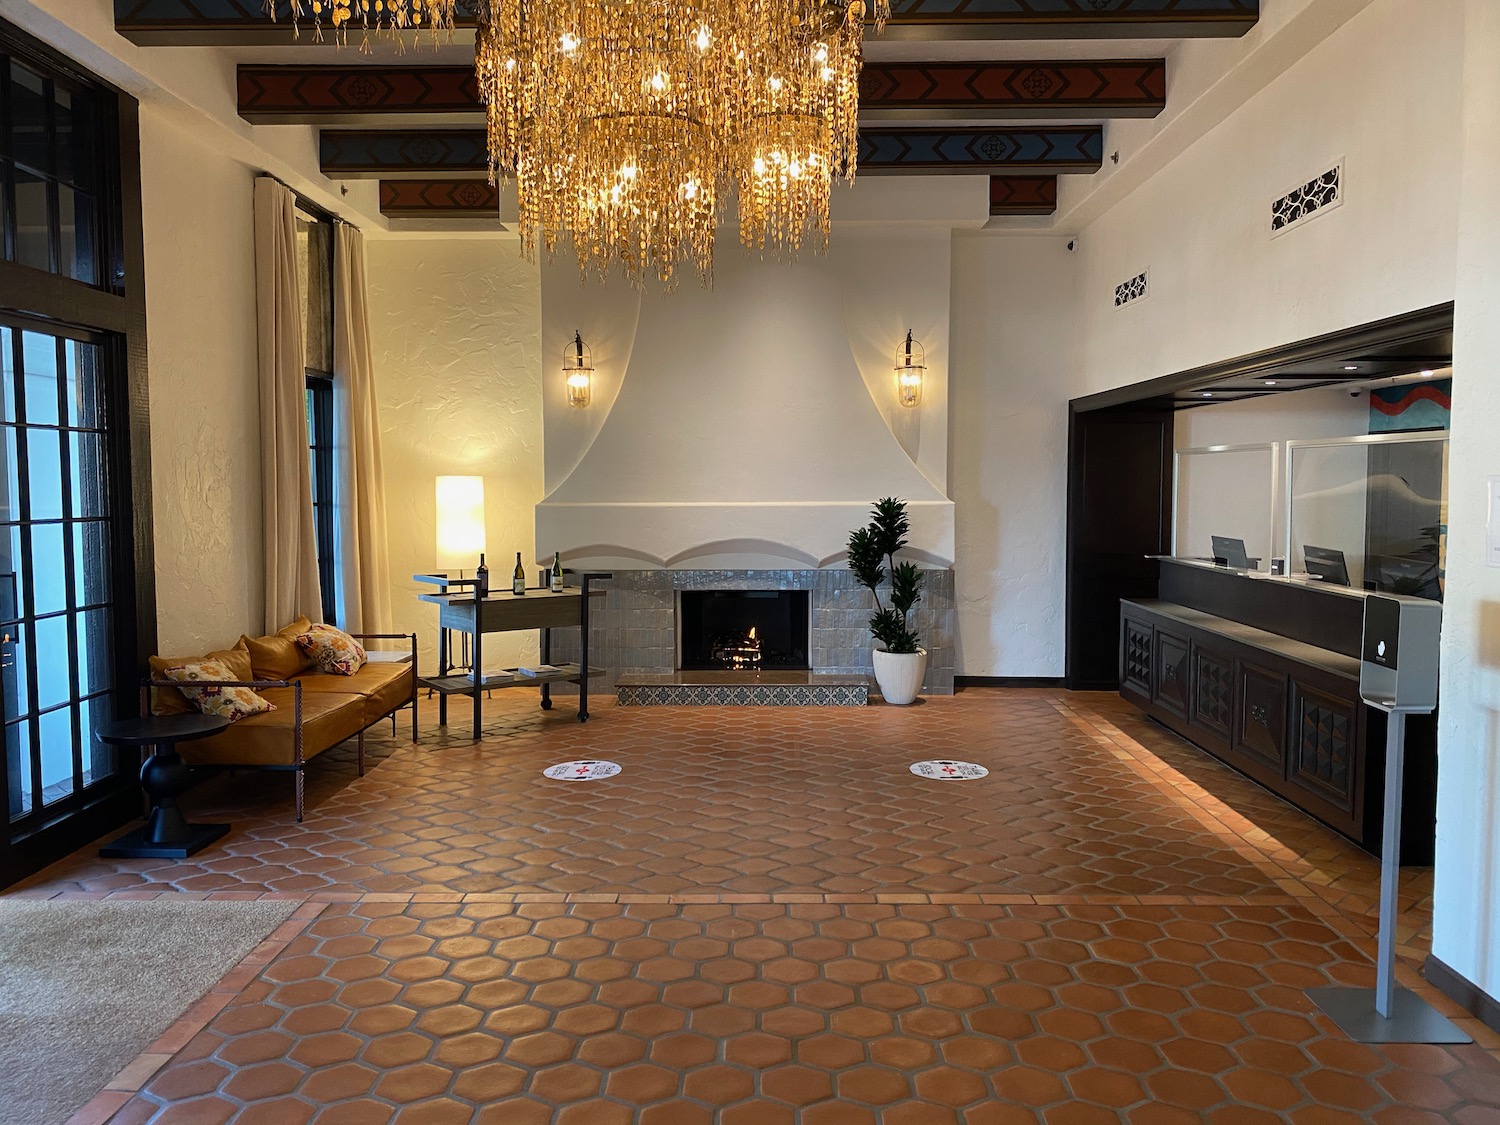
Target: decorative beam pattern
[423, 153]
[403, 154]
[1013, 90]
[1023, 195]
[345, 95]
[439, 198]
[242, 23]
[971, 151]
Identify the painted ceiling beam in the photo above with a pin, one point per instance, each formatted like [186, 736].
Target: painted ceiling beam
[889, 92]
[391, 154]
[242, 22]
[1023, 195]
[435, 198]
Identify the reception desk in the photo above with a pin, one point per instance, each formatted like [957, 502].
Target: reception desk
[1262, 672]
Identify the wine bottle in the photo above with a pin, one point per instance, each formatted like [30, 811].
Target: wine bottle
[518, 580]
[482, 579]
[557, 579]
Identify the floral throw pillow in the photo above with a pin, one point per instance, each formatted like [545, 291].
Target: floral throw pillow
[232, 703]
[332, 650]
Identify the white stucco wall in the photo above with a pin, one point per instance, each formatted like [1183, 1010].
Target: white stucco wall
[751, 424]
[1220, 285]
[205, 410]
[455, 330]
[1015, 356]
[1466, 923]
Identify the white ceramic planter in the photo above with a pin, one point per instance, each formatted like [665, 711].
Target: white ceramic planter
[899, 674]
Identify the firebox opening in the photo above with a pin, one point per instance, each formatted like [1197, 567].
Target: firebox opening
[742, 630]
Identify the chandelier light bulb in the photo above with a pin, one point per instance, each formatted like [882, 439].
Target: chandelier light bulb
[703, 40]
[568, 43]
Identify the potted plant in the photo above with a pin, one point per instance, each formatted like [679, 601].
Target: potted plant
[900, 661]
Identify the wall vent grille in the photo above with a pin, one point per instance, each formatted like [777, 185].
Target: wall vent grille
[1321, 193]
[1138, 288]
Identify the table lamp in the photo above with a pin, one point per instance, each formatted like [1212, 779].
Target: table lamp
[460, 522]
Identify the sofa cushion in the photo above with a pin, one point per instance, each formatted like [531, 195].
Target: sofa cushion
[206, 694]
[332, 650]
[384, 687]
[269, 740]
[170, 701]
[277, 657]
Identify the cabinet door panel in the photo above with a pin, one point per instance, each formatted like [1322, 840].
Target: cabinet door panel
[1135, 656]
[1213, 690]
[1325, 745]
[1172, 673]
[1260, 716]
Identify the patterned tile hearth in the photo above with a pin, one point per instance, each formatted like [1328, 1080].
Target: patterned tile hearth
[687, 689]
[766, 919]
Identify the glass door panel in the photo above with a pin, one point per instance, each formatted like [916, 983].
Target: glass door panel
[56, 636]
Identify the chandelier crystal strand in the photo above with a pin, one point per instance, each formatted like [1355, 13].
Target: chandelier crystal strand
[369, 15]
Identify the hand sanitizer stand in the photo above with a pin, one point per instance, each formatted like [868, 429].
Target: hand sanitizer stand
[1398, 675]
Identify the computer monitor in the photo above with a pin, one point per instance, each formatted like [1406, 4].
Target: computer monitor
[1326, 563]
[1230, 552]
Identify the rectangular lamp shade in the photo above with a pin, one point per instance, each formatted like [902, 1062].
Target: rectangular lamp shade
[460, 522]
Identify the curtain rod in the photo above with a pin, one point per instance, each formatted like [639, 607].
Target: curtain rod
[304, 202]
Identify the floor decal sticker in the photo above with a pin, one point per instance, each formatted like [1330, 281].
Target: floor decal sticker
[581, 771]
[949, 771]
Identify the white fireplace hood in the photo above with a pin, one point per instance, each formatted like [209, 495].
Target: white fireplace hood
[752, 425]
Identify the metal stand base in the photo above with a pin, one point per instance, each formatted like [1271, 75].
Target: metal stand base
[138, 844]
[1412, 1019]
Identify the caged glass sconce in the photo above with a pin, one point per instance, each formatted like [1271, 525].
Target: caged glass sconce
[910, 365]
[578, 372]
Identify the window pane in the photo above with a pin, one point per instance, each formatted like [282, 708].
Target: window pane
[10, 495]
[88, 469]
[28, 115]
[12, 566]
[73, 120]
[33, 224]
[19, 701]
[90, 545]
[98, 759]
[49, 580]
[18, 767]
[54, 682]
[44, 473]
[39, 358]
[85, 396]
[93, 651]
[57, 754]
[79, 257]
[8, 371]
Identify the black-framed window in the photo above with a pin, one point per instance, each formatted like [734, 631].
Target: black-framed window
[77, 593]
[320, 461]
[315, 264]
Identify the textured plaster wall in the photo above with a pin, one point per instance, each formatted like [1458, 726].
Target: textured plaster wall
[1220, 285]
[455, 326]
[205, 451]
[1015, 352]
[1466, 924]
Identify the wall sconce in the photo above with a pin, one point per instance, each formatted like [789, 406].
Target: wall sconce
[578, 372]
[910, 364]
[460, 522]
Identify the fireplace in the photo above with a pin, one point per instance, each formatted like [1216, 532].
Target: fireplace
[742, 630]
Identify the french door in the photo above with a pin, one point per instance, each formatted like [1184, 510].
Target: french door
[57, 658]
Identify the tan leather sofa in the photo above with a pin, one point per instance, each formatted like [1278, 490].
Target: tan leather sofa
[314, 711]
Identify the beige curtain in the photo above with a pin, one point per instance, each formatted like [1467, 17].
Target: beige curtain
[290, 544]
[364, 571]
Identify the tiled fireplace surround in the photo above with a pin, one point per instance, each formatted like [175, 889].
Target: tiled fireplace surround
[633, 629]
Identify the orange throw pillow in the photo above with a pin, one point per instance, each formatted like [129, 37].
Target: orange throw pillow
[277, 657]
[170, 701]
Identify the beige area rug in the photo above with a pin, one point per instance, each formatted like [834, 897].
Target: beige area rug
[87, 986]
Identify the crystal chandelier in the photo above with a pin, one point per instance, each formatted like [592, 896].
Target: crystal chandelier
[626, 122]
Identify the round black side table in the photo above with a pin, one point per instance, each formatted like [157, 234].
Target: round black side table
[165, 777]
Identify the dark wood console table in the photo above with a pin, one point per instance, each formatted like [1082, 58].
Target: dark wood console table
[506, 612]
[1263, 674]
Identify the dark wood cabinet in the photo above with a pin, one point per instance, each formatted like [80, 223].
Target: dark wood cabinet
[1279, 710]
